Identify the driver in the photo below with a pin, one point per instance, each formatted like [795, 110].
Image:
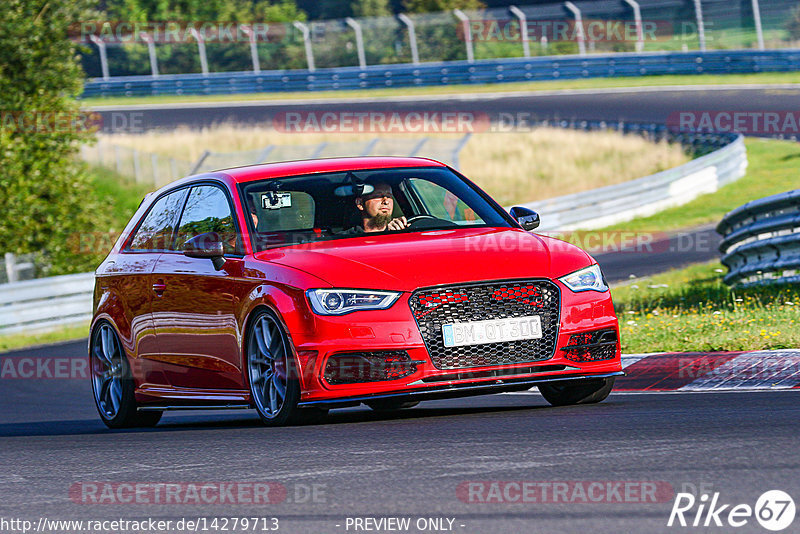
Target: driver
[376, 209]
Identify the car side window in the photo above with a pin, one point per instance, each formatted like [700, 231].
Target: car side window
[443, 204]
[208, 210]
[158, 227]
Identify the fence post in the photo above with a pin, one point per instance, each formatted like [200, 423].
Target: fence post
[412, 37]
[154, 163]
[701, 30]
[318, 150]
[543, 43]
[757, 20]
[117, 162]
[201, 50]
[151, 50]
[307, 43]
[11, 267]
[418, 147]
[523, 28]
[262, 157]
[578, 27]
[137, 170]
[253, 48]
[173, 167]
[199, 162]
[458, 148]
[362, 58]
[637, 19]
[370, 146]
[467, 34]
[101, 47]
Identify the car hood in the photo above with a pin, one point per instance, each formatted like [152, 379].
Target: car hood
[407, 261]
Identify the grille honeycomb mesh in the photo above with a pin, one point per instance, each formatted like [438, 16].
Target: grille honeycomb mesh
[435, 307]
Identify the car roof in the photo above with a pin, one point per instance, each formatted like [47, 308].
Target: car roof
[312, 166]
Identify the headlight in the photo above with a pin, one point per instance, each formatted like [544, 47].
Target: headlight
[587, 279]
[342, 301]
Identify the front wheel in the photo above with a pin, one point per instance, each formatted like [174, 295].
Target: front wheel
[112, 382]
[588, 391]
[274, 388]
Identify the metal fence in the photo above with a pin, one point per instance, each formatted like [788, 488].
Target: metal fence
[157, 170]
[36, 305]
[548, 29]
[455, 72]
[761, 241]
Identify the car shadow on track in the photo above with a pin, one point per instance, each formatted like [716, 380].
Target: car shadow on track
[249, 419]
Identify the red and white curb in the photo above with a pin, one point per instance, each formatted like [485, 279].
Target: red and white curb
[710, 371]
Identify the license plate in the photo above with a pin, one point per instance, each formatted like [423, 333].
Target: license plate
[492, 331]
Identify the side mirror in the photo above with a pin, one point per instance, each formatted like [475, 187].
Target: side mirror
[208, 245]
[527, 218]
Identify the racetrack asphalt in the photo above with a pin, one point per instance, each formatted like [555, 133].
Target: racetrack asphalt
[645, 105]
[410, 464]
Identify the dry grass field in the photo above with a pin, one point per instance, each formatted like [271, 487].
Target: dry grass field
[512, 167]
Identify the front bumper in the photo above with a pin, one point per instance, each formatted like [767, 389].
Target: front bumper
[396, 330]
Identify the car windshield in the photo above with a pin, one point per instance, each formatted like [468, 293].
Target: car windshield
[320, 207]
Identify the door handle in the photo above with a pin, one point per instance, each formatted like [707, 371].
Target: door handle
[159, 287]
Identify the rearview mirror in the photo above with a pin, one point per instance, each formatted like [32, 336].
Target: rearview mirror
[527, 218]
[208, 245]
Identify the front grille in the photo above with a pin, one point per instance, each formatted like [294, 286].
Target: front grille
[591, 346]
[435, 307]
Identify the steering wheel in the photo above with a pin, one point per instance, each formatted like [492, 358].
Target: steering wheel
[416, 218]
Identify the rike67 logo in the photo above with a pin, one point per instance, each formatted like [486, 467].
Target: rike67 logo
[774, 510]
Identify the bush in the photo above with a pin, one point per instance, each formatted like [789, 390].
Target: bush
[44, 189]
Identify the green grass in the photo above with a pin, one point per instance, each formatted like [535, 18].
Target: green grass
[590, 83]
[121, 195]
[121, 198]
[692, 310]
[772, 168]
[20, 341]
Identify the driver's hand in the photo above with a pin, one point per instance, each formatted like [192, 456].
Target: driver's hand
[397, 224]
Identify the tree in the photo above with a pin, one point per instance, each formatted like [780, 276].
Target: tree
[793, 26]
[371, 8]
[44, 189]
[430, 6]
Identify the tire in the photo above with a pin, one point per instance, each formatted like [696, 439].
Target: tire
[112, 382]
[390, 405]
[588, 391]
[274, 387]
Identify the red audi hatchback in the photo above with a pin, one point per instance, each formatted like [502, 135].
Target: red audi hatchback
[298, 287]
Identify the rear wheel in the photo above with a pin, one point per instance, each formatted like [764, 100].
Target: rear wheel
[112, 382]
[568, 392]
[274, 387]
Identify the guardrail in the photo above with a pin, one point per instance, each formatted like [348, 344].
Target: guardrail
[64, 300]
[36, 305]
[761, 241]
[453, 72]
[723, 160]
